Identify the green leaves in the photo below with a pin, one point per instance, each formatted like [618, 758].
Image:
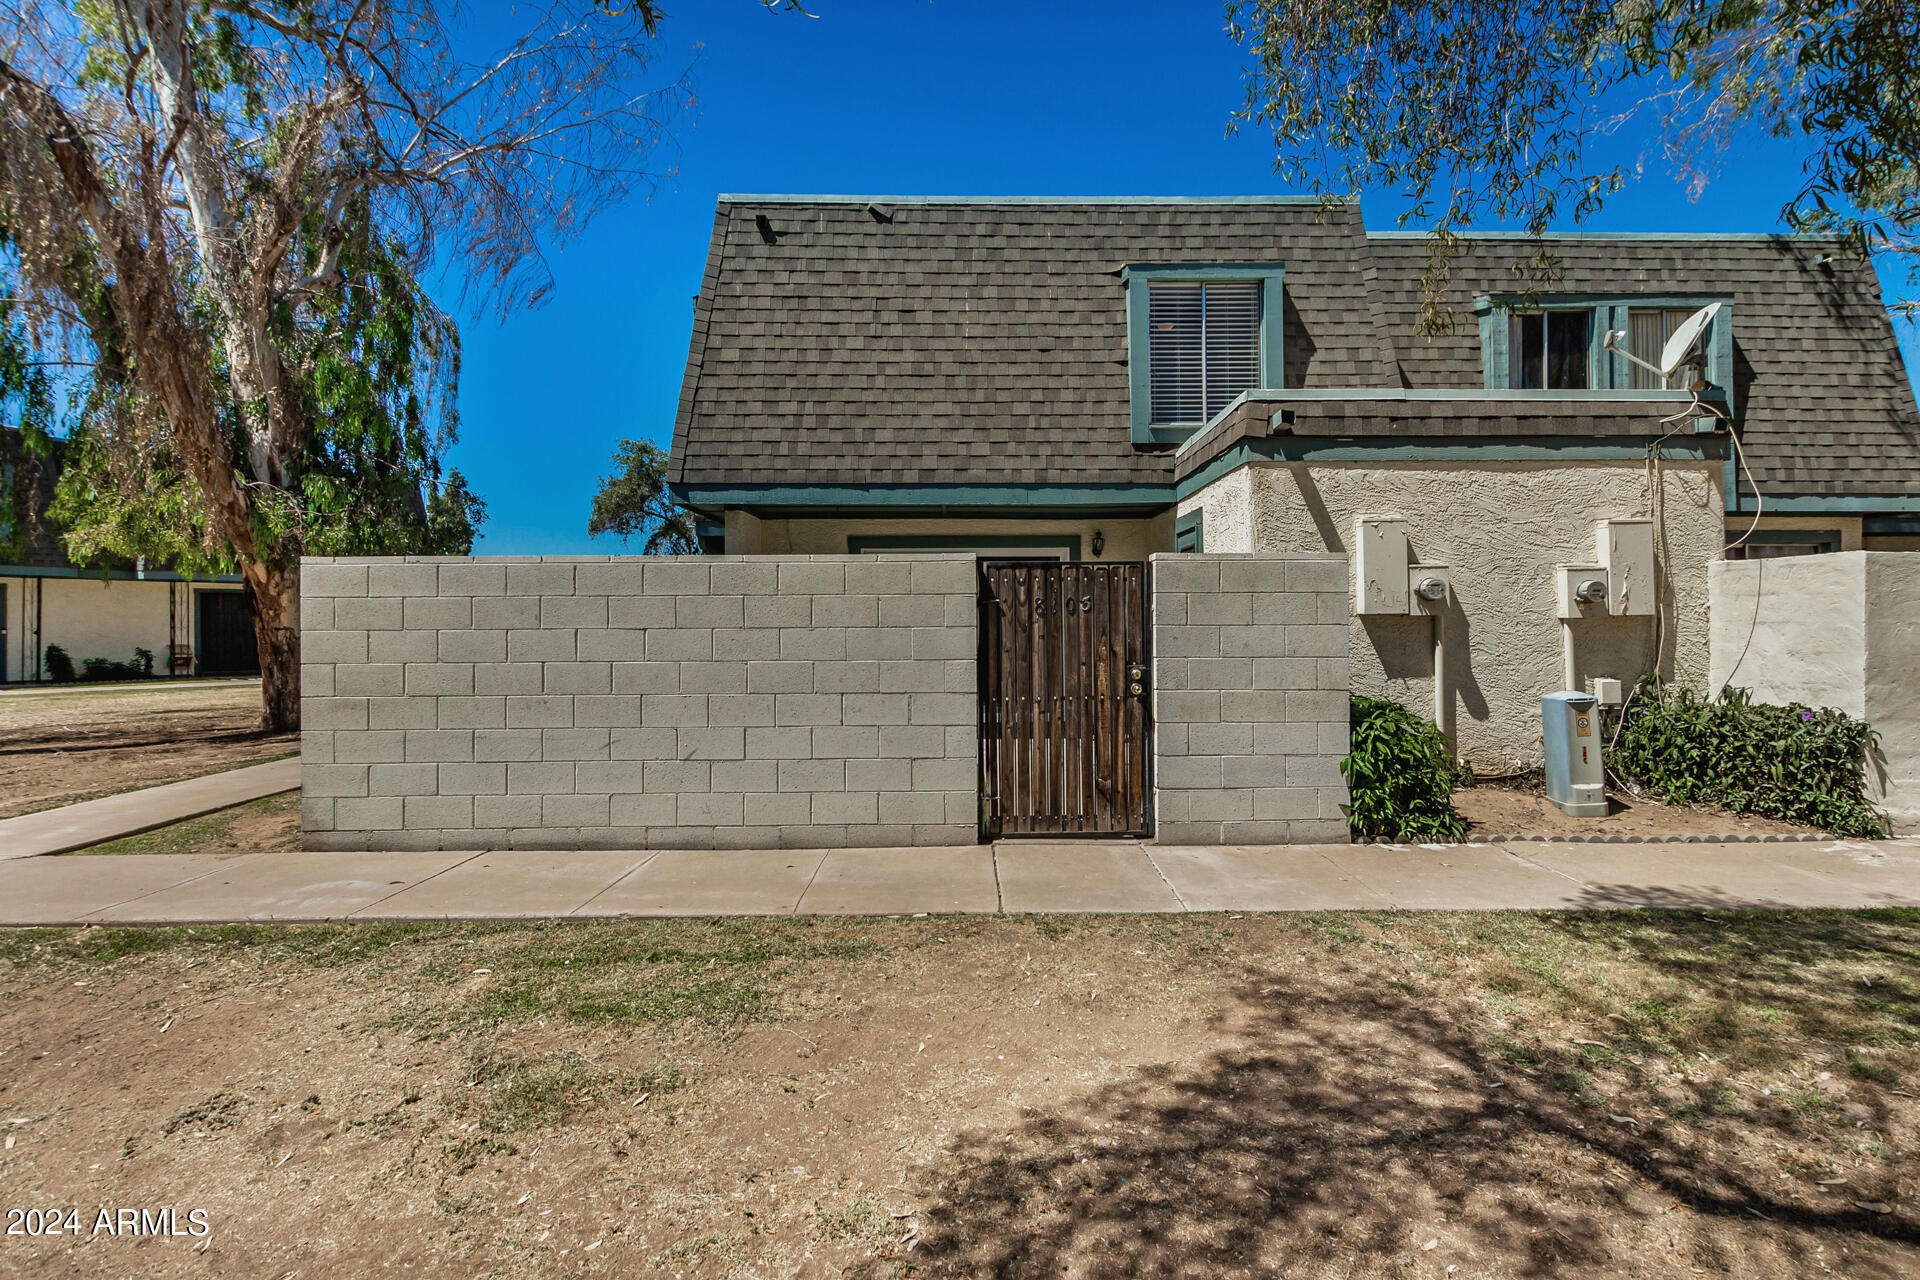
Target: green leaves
[26, 445]
[1490, 112]
[634, 503]
[1792, 762]
[1400, 774]
[373, 368]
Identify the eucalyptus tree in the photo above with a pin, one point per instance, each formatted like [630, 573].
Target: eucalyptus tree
[1479, 111]
[634, 503]
[215, 220]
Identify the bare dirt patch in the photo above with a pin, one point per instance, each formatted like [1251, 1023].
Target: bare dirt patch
[1494, 810]
[62, 748]
[1407, 1095]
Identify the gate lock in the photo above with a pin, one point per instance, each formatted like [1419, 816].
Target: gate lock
[1136, 680]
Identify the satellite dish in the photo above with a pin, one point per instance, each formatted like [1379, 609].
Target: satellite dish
[1675, 353]
[1673, 356]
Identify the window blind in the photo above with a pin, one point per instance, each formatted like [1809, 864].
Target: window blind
[1203, 347]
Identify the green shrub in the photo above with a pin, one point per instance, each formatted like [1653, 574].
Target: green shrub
[1796, 763]
[108, 669]
[59, 665]
[1401, 775]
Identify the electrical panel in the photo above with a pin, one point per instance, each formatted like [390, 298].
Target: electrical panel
[1380, 563]
[1428, 588]
[1625, 550]
[1580, 591]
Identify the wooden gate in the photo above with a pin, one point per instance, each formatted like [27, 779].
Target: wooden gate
[1063, 698]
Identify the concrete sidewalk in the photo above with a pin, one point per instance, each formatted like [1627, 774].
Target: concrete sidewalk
[1012, 877]
[91, 822]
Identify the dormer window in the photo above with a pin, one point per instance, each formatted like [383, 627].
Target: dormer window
[1555, 345]
[1198, 336]
[1549, 350]
[1203, 349]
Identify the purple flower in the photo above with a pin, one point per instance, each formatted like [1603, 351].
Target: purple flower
[1806, 715]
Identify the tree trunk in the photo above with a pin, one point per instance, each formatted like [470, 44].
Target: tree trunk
[275, 592]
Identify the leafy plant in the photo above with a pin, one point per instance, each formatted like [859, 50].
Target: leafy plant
[634, 503]
[219, 222]
[108, 669]
[60, 665]
[1400, 773]
[1487, 113]
[1792, 762]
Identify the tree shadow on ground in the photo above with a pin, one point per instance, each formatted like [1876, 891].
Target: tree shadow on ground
[1352, 1117]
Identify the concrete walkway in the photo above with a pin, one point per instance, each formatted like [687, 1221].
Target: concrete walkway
[1051, 876]
[76, 826]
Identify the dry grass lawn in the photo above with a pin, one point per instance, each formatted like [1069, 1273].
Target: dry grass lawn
[1402, 1095]
[59, 748]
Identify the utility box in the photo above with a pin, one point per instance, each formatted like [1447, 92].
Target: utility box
[1380, 564]
[1624, 549]
[1428, 588]
[1606, 691]
[1570, 730]
[1579, 591]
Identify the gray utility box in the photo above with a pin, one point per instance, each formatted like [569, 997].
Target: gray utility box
[1570, 729]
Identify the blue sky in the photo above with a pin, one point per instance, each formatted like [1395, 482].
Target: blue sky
[930, 97]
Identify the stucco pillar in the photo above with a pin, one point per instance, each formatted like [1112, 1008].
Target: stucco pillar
[743, 534]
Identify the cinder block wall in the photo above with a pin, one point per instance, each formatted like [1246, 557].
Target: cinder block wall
[1249, 698]
[630, 702]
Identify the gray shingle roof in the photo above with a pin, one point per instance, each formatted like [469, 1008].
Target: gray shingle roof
[1824, 400]
[975, 343]
[982, 342]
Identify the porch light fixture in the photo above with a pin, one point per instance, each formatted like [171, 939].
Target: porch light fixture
[1099, 543]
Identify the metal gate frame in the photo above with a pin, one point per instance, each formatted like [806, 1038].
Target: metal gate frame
[1074, 759]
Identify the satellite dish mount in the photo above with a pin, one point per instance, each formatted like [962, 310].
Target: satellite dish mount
[1677, 354]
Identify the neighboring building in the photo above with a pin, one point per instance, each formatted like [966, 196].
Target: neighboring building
[200, 626]
[1101, 380]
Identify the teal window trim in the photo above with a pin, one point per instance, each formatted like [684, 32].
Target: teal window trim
[1605, 371]
[1190, 531]
[1270, 276]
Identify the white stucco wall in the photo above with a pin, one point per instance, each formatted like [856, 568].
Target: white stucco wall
[94, 619]
[1124, 539]
[1838, 631]
[1501, 527]
[1793, 629]
[91, 618]
[14, 622]
[1892, 675]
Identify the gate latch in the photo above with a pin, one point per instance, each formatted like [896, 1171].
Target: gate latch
[1136, 680]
